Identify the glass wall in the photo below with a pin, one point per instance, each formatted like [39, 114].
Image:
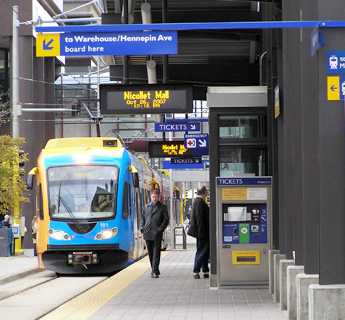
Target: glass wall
[253, 126]
[236, 160]
[242, 144]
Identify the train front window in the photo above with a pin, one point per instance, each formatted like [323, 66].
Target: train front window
[82, 192]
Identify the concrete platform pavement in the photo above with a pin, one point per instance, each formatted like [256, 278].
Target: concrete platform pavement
[18, 266]
[177, 295]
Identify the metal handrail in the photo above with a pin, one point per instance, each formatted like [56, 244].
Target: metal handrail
[183, 234]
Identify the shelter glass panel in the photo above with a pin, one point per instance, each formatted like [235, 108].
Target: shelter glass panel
[242, 160]
[251, 126]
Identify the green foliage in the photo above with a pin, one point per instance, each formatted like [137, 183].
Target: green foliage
[11, 186]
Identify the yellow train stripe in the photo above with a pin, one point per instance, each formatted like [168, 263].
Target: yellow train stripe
[89, 302]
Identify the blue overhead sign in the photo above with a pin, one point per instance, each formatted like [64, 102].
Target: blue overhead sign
[185, 161]
[317, 40]
[254, 181]
[196, 141]
[336, 61]
[106, 43]
[189, 164]
[173, 127]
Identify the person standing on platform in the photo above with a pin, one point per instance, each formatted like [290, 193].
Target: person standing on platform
[154, 220]
[186, 224]
[6, 222]
[199, 229]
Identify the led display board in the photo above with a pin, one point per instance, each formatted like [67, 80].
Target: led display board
[146, 99]
[169, 149]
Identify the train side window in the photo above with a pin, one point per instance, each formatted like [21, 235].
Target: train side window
[40, 201]
[125, 202]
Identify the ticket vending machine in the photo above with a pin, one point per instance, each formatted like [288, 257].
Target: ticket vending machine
[244, 211]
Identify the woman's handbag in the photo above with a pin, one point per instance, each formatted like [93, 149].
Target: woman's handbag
[192, 230]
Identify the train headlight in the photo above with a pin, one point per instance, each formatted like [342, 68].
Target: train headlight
[106, 234]
[58, 235]
[82, 157]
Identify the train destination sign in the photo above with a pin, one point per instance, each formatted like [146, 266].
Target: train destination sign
[146, 99]
[168, 149]
[91, 44]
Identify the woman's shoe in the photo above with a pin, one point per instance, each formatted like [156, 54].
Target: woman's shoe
[196, 276]
[206, 275]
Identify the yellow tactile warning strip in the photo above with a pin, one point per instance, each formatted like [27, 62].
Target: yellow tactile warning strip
[89, 302]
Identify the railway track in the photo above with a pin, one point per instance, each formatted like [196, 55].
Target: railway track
[37, 295]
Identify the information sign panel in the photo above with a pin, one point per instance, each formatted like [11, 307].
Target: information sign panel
[335, 88]
[186, 161]
[174, 127]
[241, 181]
[168, 149]
[116, 43]
[317, 40]
[196, 141]
[336, 61]
[168, 164]
[146, 99]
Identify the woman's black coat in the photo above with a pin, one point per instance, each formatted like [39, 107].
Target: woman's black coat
[154, 222]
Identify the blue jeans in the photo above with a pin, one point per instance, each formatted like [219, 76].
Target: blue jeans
[202, 255]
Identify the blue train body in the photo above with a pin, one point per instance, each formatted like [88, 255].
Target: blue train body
[90, 194]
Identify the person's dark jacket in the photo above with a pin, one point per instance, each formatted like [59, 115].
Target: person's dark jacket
[154, 222]
[5, 223]
[199, 225]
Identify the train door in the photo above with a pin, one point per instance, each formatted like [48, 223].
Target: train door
[138, 247]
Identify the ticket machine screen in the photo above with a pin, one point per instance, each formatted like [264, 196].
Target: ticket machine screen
[245, 223]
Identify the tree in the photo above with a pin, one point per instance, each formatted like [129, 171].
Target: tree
[11, 186]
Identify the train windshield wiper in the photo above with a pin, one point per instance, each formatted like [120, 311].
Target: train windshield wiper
[71, 213]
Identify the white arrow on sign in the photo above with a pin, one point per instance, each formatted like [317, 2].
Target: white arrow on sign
[192, 126]
[202, 143]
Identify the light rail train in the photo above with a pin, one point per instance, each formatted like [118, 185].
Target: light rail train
[89, 196]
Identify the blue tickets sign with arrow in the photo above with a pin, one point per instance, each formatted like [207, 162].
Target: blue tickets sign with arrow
[174, 127]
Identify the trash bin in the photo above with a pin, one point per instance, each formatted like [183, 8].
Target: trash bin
[5, 242]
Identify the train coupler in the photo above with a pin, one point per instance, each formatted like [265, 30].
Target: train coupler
[82, 258]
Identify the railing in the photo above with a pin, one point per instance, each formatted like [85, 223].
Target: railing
[179, 231]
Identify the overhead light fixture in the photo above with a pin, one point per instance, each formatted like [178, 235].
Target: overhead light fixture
[131, 6]
[146, 13]
[151, 71]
